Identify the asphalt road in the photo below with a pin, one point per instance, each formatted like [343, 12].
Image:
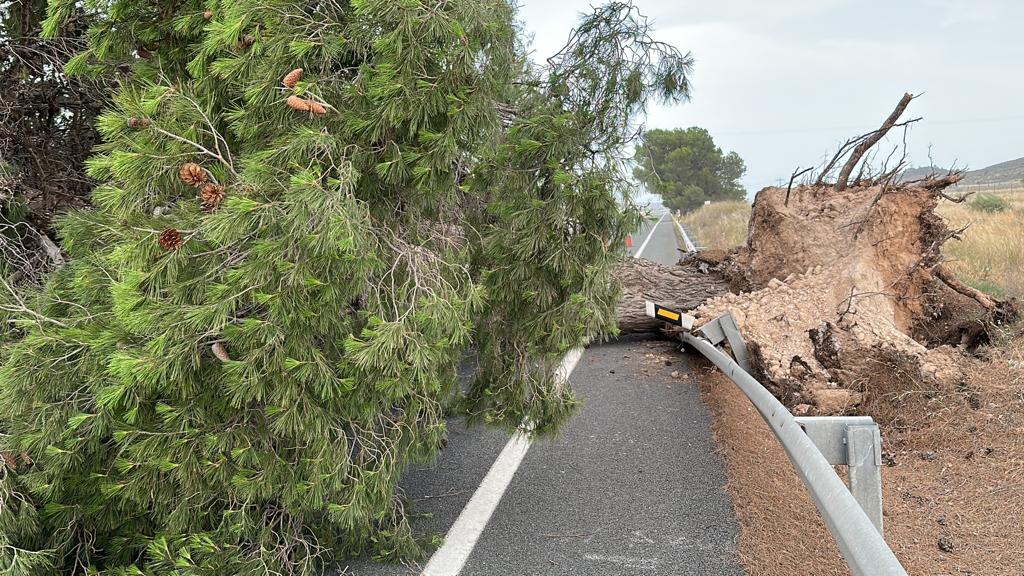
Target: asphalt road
[632, 486]
[659, 246]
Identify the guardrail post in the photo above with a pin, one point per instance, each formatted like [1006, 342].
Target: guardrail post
[864, 455]
[724, 328]
[854, 442]
[855, 522]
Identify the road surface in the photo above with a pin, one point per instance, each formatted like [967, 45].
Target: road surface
[632, 486]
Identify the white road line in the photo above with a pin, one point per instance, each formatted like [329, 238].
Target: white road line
[464, 533]
[462, 537]
[648, 239]
[690, 247]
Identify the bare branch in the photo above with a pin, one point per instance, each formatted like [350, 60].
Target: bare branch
[796, 174]
[871, 140]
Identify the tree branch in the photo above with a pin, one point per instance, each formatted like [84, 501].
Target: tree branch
[796, 174]
[871, 140]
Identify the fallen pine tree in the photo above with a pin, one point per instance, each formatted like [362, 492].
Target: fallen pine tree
[305, 217]
[834, 274]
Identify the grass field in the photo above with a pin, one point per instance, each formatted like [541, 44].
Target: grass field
[721, 225]
[989, 256]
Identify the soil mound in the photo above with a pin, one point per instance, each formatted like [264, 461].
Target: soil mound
[838, 275]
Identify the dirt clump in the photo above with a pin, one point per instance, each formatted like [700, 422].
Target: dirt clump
[837, 276]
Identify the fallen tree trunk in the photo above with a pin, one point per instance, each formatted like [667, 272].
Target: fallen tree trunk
[679, 287]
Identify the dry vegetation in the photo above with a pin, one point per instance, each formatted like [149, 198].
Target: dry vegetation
[721, 225]
[990, 253]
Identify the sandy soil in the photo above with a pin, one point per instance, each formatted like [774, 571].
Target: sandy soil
[835, 276]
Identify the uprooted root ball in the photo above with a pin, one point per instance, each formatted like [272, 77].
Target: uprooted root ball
[838, 276]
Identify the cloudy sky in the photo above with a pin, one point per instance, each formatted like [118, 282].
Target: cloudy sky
[782, 82]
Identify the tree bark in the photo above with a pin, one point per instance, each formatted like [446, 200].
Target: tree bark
[679, 287]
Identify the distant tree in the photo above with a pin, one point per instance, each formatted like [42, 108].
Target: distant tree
[686, 168]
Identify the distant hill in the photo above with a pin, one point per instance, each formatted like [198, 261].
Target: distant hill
[1011, 171]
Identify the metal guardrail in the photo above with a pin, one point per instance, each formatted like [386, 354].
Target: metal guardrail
[858, 536]
[853, 515]
[690, 246]
[854, 442]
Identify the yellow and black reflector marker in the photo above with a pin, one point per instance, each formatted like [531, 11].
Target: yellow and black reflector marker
[669, 315]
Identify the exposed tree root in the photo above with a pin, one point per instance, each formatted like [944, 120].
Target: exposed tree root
[998, 311]
[834, 275]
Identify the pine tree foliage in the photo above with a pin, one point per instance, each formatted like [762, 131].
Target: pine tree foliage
[236, 387]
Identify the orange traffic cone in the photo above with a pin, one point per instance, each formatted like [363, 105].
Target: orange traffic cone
[629, 241]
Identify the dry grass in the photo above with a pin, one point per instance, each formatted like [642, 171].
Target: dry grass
[722, 225]
[990, 255]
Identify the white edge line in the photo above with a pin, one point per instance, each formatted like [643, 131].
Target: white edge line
[449, 559]
[690, 247]
[649, 235]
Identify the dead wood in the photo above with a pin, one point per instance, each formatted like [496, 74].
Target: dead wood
[796, 174]
[53, 251]
[869, 140]
[998, 311]
[942, 272]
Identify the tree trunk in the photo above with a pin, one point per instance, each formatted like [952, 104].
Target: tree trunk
[678, 287]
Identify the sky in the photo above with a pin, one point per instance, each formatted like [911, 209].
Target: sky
[784, 82]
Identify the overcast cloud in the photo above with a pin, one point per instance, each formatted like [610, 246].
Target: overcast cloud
[782, 82]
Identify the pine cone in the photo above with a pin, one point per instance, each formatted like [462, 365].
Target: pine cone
[208, 15]
[303, 105]
[171, 239]
[212, 195]
[134, 122]
[220, 352]
[193, 174]
[296, 103]
[9, 461]
[246, 41]
[292, 78]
